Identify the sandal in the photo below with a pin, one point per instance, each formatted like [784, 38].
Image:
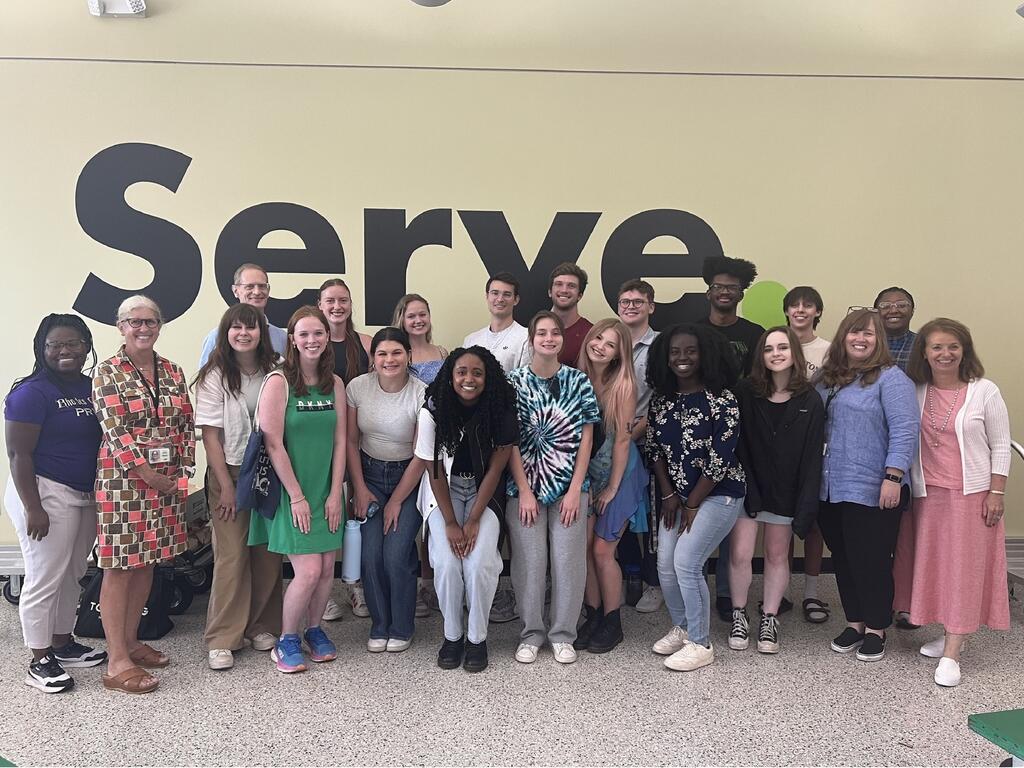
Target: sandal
[903, 621]
[130, 681]
[815, 611]
[149, 657]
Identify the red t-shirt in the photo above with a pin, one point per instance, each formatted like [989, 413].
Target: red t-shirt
[572, 341]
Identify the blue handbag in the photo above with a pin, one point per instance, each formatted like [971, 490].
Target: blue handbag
[258, 488]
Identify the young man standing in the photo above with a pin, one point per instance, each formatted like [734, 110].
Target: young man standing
[504, 337]
[251, 286]
[896, 306]
[727, 279]
[565, 289]
[635, 307]
[508, 341]
[803, 306]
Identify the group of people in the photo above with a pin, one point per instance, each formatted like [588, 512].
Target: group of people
[581, 449]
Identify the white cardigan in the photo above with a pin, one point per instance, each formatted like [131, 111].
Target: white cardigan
[983, 432]
[216, 407]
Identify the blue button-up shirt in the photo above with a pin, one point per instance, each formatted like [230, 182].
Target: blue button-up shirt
[868, 429]
[900, 347]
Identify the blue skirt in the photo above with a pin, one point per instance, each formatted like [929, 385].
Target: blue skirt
[631, 503]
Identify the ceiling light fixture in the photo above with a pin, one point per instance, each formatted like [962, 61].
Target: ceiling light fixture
[129, 9]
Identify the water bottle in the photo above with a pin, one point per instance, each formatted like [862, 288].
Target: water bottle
[351, 552]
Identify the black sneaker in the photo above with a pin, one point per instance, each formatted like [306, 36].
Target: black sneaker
[872, 649]
[77, 655]
[476, 656]
[450, 655]
[739, 636]
[768, 634]
[724, 607]
[849, 640]
[49, 676]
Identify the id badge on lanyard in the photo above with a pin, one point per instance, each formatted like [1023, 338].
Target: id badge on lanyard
[162, 451]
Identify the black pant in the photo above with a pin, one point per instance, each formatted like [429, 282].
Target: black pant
[862, 541]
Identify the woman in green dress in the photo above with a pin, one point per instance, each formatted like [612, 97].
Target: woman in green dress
[302, 413]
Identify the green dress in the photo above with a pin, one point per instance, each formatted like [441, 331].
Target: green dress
[309, 424]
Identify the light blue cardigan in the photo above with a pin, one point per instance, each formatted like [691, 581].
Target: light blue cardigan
[866, 430]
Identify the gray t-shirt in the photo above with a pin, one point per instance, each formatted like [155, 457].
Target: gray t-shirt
[387, 420]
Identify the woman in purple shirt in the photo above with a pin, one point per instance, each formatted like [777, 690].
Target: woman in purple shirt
[52, 441]
[871, 425]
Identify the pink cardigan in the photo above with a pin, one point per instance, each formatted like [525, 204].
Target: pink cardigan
[983, 432]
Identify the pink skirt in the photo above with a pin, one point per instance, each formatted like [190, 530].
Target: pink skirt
[959, 564]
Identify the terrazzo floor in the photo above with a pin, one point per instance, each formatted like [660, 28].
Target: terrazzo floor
[806, 706]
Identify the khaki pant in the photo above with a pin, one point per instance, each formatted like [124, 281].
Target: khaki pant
[245, 599]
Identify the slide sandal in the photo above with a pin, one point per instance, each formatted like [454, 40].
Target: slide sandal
[149, 657]
[130, 681]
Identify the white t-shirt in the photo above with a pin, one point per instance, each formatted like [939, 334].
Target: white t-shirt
[814, 354]
[510, 347]
[387, 420]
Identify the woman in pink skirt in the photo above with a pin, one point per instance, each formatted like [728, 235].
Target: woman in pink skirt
[959, 479]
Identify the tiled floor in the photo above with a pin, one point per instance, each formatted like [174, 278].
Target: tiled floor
[806, 706]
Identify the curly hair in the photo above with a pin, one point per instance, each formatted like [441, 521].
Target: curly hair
[497, 398]
[48, 323]
[325, 366]
[741, 269]
[717, 369]
[223, 356]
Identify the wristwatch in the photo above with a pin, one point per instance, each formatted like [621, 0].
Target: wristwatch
[893, 478]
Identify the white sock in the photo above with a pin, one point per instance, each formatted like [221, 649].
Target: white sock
[810, 586]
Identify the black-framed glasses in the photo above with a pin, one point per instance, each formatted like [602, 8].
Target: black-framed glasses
[894, 305]
[725, 288]
[75, 345]
[138, 322]
[632, 303]
[264, 287]
[851, 310]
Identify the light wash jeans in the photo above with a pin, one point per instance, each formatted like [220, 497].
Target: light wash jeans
[681, 559]
[475, 577]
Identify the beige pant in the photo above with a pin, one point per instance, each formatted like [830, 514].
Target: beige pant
[245, 599]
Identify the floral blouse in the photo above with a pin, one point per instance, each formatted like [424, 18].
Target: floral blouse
[697, 434]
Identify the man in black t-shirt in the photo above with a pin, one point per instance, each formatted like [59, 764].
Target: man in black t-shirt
[727, 279]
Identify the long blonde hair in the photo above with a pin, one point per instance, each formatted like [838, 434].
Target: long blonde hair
[616, 389]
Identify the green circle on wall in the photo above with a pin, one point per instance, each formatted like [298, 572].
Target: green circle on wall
[762, 303]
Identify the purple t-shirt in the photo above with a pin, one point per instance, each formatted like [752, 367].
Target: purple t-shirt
[69, 435]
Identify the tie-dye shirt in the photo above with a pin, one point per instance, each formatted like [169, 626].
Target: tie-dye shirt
[551, 429]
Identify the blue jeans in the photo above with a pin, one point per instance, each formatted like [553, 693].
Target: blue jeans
[389, 563]
[681, 559]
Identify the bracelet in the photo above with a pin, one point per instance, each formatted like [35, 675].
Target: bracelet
[296, 501]
[997, 493]
[665, 498]
[691, 509]
[894, 478]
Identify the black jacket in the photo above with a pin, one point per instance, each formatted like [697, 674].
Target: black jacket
[783, 468]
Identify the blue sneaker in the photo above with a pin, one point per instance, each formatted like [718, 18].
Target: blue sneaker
[287, 654]
[320, 646]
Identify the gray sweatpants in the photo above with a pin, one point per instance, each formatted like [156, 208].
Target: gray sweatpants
[568, 548]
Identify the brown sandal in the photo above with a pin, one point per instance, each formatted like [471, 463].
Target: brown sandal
[149, 657]
[130, 681]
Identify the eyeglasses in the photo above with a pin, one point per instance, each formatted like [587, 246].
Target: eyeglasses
[894, 305]
[632, 303]
[725, 288]
[137, 322]
[75, 345]
[261, 287]
[851, 310]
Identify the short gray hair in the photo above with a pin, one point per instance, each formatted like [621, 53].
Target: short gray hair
[135, 302]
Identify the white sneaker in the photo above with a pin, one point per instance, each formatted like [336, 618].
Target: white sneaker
[221, 658]
[690, 657]
[377, 644]
[358, 600]
[394, 645]
[264, 641]
[564, 653]
[526, 653]
[650, 601]
[333, 611]
[947, 674]
[672, 642]
[934, 648]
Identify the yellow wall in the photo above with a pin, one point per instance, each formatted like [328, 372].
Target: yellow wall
[847, 182]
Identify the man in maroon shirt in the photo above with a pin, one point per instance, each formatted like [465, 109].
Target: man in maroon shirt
[565, 289]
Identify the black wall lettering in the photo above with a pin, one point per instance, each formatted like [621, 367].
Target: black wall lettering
[388, 244]
[239, 243]
[497, 246]
[107, 218]
[624, 259]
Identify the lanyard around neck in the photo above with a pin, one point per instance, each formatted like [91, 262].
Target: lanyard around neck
[154, 390]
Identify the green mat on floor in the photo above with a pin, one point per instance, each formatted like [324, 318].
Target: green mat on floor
[4, 762]
[1004, 729]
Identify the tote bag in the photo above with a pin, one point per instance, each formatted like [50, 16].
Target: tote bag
[258, 487]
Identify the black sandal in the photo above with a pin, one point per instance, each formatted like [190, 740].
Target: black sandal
[815, 611]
